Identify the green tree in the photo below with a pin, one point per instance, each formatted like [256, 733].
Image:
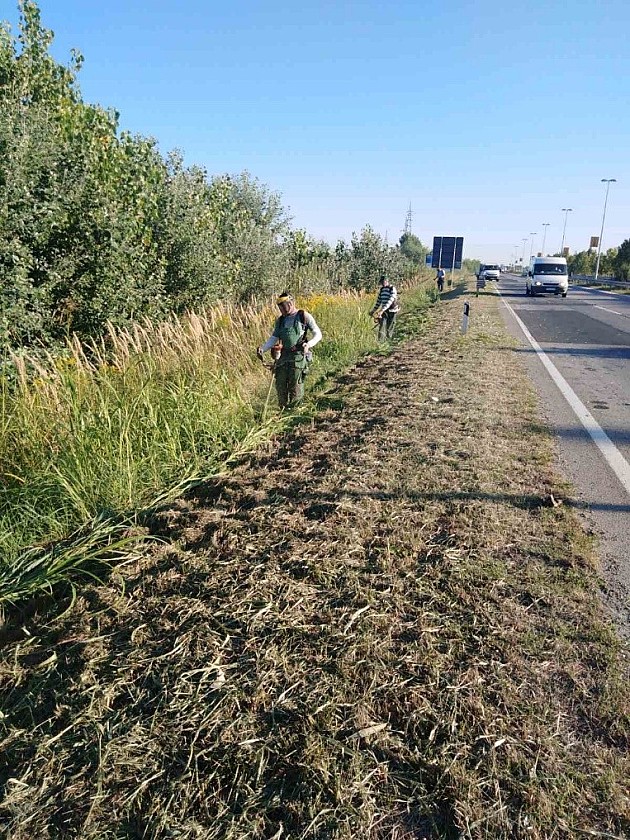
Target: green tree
[369, 258]
[96, 226]
[78, 202]
[412, 249]
[187, 240]
[621, 263]
[607, 262]
[251, 226]
[300, 252]
[471, 266]
[582, 263]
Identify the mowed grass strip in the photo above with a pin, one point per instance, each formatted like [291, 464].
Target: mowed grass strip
[382, 626]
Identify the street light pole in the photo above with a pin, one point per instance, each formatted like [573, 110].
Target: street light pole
[545, 225]
[523, 251]
[608, 182]
[531, 246]
[566, 211]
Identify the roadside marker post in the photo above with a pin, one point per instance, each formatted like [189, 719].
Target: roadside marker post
[465, 318]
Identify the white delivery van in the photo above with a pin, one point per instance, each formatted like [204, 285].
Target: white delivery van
[547, 274]
[490, 272]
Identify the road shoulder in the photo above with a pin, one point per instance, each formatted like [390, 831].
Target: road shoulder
[385, 624]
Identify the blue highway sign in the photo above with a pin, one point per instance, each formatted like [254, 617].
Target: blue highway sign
[447, 251]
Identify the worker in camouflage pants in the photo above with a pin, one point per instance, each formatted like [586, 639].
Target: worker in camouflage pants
[291, 350]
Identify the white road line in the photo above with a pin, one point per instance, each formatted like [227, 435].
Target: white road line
[613, 456]
[595, 291]
[596, 306]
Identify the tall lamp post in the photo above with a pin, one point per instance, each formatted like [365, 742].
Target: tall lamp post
[531, 246]
[608, 182]
[523, 251]
[545, 225]
[566, 211]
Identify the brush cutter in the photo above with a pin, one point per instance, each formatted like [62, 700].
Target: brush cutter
[276, 350]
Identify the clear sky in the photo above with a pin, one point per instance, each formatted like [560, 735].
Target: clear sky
[486, 117]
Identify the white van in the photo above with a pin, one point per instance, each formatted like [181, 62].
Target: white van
[490, 272]
[547, 274]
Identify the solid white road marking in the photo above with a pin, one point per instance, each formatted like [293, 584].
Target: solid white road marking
[613, 456]
[610, 310]
[596, 291]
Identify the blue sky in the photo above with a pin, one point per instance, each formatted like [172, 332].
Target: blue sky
[486, 117]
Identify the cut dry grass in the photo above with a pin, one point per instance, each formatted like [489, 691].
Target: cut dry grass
[380, 627]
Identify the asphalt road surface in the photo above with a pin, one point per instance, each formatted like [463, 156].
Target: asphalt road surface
[578, 356]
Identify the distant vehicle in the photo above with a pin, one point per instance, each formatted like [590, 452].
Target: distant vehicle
[490, 272]
[547, 274]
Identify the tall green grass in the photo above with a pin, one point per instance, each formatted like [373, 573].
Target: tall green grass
[111, 428]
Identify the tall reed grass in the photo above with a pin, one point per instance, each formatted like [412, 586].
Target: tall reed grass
[109, 428]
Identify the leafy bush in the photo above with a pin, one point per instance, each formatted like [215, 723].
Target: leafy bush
[96, 227]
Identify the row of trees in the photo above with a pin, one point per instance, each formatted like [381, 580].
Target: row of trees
[96, 225]
[614, 263]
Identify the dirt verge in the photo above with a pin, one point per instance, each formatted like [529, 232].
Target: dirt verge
[386, 625]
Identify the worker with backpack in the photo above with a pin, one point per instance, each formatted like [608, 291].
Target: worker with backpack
[290, 346]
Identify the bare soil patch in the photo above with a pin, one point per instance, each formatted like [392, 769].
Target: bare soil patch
[384, 625]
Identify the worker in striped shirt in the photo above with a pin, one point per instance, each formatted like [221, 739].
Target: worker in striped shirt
[385, 308]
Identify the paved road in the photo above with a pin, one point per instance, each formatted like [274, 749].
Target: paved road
[586, 337]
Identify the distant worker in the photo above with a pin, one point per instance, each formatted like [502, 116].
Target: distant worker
[291, 349]
[385, 309]
[441, 274]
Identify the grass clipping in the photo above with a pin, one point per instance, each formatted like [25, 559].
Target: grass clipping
[385, 626]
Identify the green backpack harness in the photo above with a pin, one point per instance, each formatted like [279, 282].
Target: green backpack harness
[293, 337]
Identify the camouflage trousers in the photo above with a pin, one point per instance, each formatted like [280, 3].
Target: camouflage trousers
[289, 383]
